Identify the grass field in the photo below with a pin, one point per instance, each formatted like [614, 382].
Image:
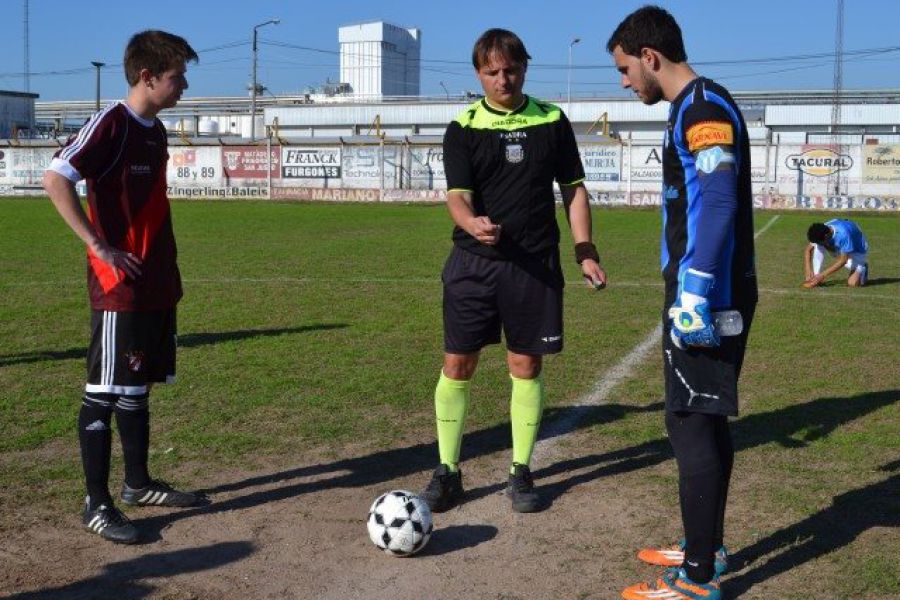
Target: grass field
[314, 330]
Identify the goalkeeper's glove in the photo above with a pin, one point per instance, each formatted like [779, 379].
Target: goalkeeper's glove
[692, 321]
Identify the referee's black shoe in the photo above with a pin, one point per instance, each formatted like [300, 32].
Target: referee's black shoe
[158, 493]
[445, 489]
[108, 522]
[521, 490]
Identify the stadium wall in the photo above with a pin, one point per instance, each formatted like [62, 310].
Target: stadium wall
[785, 175]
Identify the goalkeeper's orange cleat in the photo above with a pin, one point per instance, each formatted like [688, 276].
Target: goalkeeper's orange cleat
[674, 585]
[673, 556]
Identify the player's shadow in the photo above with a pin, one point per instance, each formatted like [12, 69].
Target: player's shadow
[374, 468]
[189, 340]
[458, 537]
[850, 514]
[123, 580]
[882, 281]
[791, 427]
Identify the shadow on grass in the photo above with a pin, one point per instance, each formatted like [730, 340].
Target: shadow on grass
[122, 580]
[375, 468]
[882, 281]
[849, 515]
[790, 427]
[189, 340]
[795, 426]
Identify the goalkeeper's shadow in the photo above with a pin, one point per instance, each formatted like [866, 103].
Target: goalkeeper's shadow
[790, 427]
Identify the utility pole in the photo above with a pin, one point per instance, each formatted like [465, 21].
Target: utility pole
[254, 89]
[97, 64]
[569, 79]
[834, 180]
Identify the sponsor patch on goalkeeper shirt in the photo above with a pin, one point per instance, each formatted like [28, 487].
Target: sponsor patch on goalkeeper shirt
[709, 133]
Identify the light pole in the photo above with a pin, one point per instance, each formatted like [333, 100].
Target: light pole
[569, 79]
[253, 90]
[445, 89]
[97, 100]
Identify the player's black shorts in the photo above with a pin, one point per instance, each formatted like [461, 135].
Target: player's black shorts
[704, 380]
[523, 296]
[129, 350]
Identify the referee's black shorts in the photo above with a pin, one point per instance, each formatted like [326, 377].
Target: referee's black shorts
[130, 350]
[704, 380]
[523, 297]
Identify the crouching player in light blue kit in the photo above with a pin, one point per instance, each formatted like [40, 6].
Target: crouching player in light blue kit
[842, 239]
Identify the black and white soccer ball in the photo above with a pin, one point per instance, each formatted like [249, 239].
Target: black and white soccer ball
[399, 523]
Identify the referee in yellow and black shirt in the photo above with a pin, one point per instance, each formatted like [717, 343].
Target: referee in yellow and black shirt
[501, 156]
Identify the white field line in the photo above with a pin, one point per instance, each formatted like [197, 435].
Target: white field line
[815, 294]
[601, 390]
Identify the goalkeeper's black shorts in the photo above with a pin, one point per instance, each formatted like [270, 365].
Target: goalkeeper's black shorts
[704, 380]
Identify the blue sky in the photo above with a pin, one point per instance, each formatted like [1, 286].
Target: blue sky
[67, 35]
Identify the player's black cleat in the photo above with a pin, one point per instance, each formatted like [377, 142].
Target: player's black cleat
[109, 523]
[521, 490]
[158, 493]
[445, 490]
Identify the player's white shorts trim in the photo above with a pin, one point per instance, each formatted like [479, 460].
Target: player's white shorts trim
[125, 390]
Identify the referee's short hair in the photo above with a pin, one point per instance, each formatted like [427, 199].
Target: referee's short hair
[649, 27]
[818, 233]
[502, 42]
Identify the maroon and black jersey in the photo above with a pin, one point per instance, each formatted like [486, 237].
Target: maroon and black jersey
[123, 159]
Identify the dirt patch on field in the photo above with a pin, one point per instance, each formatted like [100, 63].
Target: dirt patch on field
[298, 531]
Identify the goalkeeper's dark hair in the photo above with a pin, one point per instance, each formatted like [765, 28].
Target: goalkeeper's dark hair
[818, 233]
[649, 27]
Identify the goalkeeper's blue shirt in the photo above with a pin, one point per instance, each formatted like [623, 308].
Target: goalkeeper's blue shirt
[848, 238]
[707, 196]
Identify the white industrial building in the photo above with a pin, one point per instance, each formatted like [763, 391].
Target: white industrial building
[379, 59]
[786, 116]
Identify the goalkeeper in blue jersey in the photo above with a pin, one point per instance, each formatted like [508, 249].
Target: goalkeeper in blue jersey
[844, 240]
[708, 266]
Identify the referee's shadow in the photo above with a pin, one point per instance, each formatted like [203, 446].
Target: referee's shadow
[378, 467]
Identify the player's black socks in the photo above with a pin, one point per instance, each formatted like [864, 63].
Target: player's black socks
[700, 486]
[133, 419]
[726, 459]
[95, 438]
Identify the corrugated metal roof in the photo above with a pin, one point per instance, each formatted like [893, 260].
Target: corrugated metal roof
[820, 114]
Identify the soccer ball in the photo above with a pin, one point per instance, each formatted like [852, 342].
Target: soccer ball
[399, 523]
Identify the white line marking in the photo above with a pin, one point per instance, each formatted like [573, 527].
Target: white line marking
[602, 388]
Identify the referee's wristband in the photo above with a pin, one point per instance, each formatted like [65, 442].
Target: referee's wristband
[586, 250]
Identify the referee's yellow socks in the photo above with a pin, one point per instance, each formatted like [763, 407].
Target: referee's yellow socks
[525, 408]
[451, 403]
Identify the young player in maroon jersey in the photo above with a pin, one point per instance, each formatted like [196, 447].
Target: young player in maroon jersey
[133, 278]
